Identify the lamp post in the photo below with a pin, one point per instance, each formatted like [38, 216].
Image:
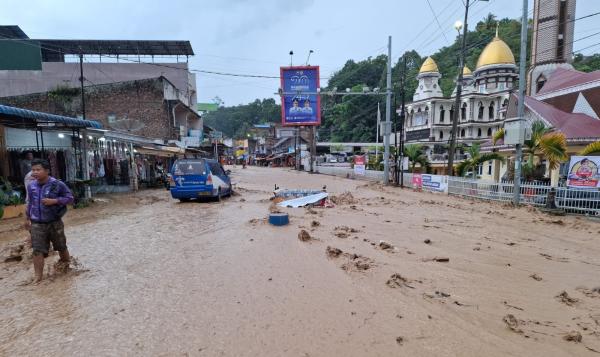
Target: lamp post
[461, 64]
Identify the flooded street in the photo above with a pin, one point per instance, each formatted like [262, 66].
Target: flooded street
[163, 278]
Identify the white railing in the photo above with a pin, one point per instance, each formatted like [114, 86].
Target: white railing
[577, 200]
[534, 193]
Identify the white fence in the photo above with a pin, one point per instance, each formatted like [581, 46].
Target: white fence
[534, 193]
[582, 201]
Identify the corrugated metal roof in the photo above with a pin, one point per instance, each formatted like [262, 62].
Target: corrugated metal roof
[11, 116]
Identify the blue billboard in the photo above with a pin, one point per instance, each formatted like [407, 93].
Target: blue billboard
[300, 102]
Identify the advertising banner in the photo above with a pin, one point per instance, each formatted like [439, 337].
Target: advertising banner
[437, 183]
[300, 104]
[417, 181]
[359, 165]
[583, 172]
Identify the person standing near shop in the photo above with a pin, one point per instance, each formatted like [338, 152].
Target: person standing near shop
[25, 164]
[47, 204]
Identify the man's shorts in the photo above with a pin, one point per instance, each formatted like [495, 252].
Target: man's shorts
[44, 233]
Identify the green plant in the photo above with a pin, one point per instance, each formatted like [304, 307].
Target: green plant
[591, 149]
[475, 159]
[415, 155]
[544, 143]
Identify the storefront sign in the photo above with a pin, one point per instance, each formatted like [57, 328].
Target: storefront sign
[300, 104]
[415, 135]
[359, 165]
[583, 171]
[437, 183]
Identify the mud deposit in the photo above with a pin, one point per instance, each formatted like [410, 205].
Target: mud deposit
[155, 277]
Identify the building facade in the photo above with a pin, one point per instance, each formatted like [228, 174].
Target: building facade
[482, 110]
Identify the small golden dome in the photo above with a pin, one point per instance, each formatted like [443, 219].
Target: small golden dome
[496, 52]
[467, 71]
[429, 66]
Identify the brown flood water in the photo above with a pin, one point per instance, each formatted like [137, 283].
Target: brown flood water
[162, 278]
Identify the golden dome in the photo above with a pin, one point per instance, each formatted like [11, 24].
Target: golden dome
[429, 66]
[467, 71]
[496, 52]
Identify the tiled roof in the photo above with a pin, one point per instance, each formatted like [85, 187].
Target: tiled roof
[573, 125]
[564, 78]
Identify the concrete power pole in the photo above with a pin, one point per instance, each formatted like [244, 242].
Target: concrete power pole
[388, 114]
[521, 104]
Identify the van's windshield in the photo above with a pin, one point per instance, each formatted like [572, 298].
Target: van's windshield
[196, 167]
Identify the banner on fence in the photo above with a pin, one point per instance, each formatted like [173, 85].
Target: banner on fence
[583, 171]
[359, 164]
[437, 183]
[417, 181]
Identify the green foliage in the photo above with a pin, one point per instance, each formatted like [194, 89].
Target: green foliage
[415, 155]
[591, 149]
[587, 63]
[237, 121]
[475, 159]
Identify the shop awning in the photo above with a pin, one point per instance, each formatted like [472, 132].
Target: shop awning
[24, 118]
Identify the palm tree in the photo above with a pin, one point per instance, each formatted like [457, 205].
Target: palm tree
[415, 155]
[475, 159]
[591, 149]
[544, 142]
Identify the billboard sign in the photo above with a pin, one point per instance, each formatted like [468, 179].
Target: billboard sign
[416, 135]
[584, 172]
[300, 103]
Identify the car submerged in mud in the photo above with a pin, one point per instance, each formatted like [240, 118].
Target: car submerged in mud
[199, 178]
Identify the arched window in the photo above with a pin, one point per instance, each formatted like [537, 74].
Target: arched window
[463, 111]
[479, 132]
[412, 116]
[491, 112]
[462, 133]
[539, 83]
[441, 135]
[442, 113]
[505, 103]
[489, 133]
[451, 113]
[480, 114]
[426, 115]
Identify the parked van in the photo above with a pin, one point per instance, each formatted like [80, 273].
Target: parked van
[195, 178]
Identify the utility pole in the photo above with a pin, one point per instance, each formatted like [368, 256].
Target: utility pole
[521, 104]
[396, 183]
[402, 116]
[81, 81]
[388, 112]
[461, 65]
[313, 148]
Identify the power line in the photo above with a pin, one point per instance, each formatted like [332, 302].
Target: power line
[437, 20]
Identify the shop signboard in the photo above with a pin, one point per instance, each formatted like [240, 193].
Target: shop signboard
[416, 135]
[584, 172]
[437, 183]
[359, 165]
[300, 102]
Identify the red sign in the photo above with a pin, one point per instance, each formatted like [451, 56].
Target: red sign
[417, 181]
[359, 160]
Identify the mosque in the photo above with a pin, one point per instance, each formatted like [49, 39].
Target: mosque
[561, 97]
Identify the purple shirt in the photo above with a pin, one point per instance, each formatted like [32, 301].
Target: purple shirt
[36, 211]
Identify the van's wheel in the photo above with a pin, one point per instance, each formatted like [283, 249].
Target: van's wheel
[184, 200]
[219, 195]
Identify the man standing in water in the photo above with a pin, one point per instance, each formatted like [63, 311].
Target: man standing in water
[48, 199]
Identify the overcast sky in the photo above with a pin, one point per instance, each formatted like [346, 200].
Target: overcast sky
[255, 36]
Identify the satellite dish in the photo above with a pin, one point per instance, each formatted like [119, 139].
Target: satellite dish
[130, 125]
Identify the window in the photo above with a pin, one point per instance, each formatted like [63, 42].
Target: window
[480, 169]
[442, 113]
[489, 171]
[489, 132]
[491, 114]
[501, 86]
[505, 103]
[479, 132]
[441, 135]
[482, 88]
[539, 83]
[463, 111]
[216, 169]
[190, 167]
[462, 133]
[111, 118]
[480, 114]
[451, 113]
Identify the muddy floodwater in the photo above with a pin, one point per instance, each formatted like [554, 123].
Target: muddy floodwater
[384, 272]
